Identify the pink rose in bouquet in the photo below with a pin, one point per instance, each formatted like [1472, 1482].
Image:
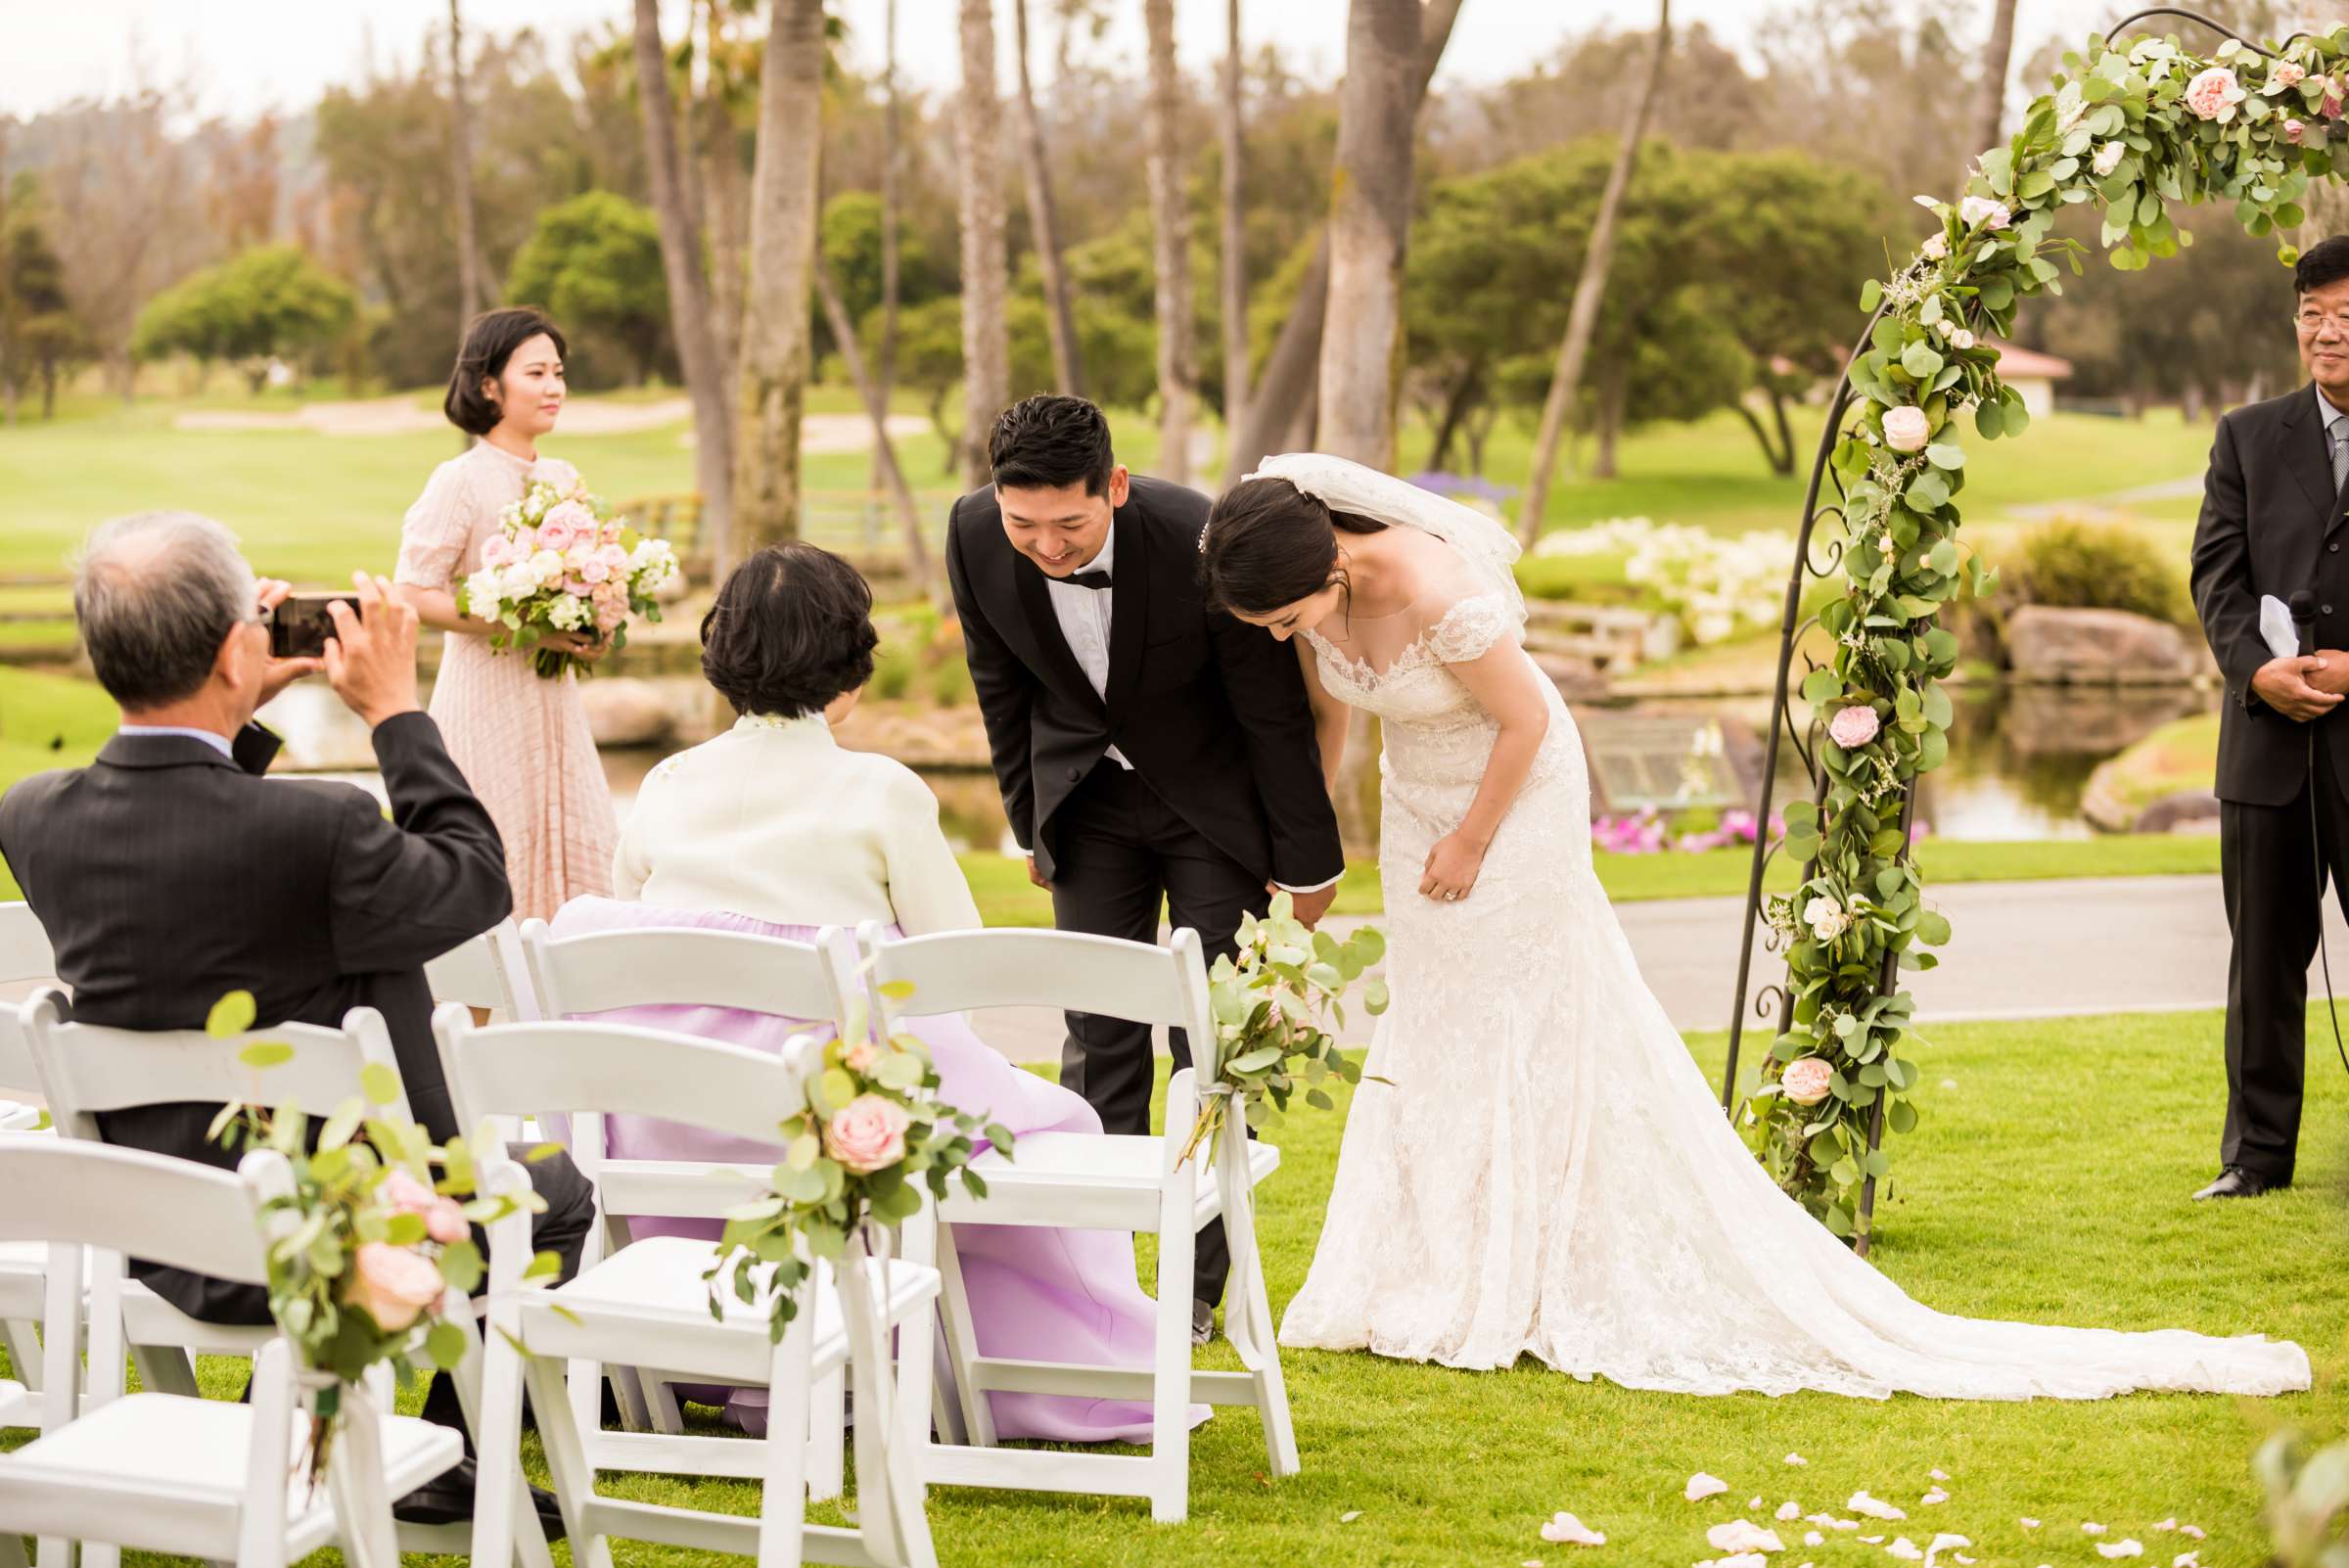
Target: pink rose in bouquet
[1853, 726]
[1982, 211]
[444, 1219]
[593, 569]
[1807, 1081]
[867, 1133]
[393, 1285]
[2214, 92]
[2290, 73]
[555, 532]
[500, 552]
[2295, 132]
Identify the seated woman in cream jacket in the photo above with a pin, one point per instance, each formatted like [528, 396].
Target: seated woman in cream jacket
[775, 829]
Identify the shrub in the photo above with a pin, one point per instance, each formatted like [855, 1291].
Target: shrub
[2069, 564]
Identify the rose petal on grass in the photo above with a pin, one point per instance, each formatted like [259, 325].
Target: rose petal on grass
[1796, 1458]
[2028, 1524]
[1350, 1516]
[2125, 1547]
[1874, 1508]
[1742, 1535]
[2170, 1523]
[2091, 1529]
[2186, 1559]
[1934, 1497]
[2191, 1531]
[1811, 1538]
[1873, 1540]
[1905, 1549]
[1565, 1528]
[1790, 1509]
[1753, 1504]
[1938, 1474]
[1702, 1486]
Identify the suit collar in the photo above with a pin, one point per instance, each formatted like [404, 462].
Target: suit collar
[2307, 457]
[162, 751]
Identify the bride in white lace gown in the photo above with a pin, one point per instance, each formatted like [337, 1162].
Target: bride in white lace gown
[1550, 1173]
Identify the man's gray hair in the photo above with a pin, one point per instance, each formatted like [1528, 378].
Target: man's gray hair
[155, 593]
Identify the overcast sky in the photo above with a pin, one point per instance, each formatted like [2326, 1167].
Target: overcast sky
[243, 56]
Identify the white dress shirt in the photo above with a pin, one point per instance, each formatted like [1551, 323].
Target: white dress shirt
[776, 821]
[1084, 614]
[217, 742]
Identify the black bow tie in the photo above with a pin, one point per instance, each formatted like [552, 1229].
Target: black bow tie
[1085, 579]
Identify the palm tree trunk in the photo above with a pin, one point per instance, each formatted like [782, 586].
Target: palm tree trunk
[985, 342]
[1170, 215]
[688, 300]
[1370, 214]
[775, 324]
[1990, 101]
[1043, 223]
[1287, 387]
[460, 139]
[729, 213]
[885, 373]
[1589, 292]
[1235, 259]
[885, 451]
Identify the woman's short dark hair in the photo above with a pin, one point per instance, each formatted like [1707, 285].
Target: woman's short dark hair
[490, 340]
[1048, 442]
[791, 630]
[1268, 543]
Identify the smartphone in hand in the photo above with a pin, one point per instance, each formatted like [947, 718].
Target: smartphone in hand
[300, 625]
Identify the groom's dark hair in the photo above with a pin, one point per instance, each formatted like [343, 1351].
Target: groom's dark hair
[1048, 442]
[2326, 262]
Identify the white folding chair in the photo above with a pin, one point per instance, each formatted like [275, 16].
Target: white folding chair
[1105, 1182]
[24, 954]
[647, 1303]
[487, 973]
[85, 1070]
[652, 967]
[166, 1472]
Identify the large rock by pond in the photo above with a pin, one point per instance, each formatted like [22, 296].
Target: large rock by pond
[2102, 647]
[627, 711]
[2160, 785]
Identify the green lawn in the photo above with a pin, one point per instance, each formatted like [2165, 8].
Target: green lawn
[2047, 1182]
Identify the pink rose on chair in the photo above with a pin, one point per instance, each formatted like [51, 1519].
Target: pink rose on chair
[444, 1219]
[392, 1285]
[2214, 92]
[1853, 727]
[862, 1057]
[1808, 1079]
[867, 1133]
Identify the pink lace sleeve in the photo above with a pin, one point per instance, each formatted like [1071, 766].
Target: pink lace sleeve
[438, 528]
[1472, 628]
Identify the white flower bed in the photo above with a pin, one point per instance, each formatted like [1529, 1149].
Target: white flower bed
[1719, 586]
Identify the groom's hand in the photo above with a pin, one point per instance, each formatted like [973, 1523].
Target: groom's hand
[1035, 876]
[2285, 684]
[1307, 907]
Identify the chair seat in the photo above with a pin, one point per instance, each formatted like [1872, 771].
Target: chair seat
[648, 1305]
[1050, 1176]
[168, 1473]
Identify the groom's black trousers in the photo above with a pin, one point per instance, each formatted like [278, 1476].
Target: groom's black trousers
[2267, 866]
[1118, 851]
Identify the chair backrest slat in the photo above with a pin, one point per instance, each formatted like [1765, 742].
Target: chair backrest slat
[149, 1206]
[654, 966]
[517, 1069]
[958, 971]
[86, 1069]
[487, 972]
[24, 954]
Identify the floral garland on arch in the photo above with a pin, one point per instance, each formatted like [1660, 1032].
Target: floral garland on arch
[2133, 128]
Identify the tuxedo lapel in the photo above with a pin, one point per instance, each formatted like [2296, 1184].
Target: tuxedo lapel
[2301, 436]
[1056, 665]
[1128, 604]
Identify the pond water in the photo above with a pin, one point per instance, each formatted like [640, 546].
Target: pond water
[2019, 756]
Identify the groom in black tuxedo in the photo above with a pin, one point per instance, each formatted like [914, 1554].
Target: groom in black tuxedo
[2274, 504]
[1148, 750]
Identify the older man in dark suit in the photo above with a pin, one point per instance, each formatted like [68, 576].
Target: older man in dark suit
[2274, 505]
[170, 872]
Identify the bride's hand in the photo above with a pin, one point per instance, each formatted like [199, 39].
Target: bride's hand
[1452, 868]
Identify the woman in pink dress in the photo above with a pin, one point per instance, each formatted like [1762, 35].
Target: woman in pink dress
[521, 740]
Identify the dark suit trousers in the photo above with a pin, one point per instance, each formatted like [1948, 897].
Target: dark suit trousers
[1120, 851]
[2268, 861]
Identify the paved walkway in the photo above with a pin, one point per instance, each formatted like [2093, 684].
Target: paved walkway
[2021, 949]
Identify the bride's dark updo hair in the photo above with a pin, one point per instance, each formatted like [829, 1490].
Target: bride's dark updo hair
[1268, 544]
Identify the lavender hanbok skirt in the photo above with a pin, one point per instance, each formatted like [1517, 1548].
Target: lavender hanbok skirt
[1036, 1294]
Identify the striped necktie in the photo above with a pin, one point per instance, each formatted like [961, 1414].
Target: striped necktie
[2338, 431]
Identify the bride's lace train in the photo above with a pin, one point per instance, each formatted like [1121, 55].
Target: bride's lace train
[1550, 1173]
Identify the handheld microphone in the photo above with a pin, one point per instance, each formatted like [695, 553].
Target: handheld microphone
[2303, 606]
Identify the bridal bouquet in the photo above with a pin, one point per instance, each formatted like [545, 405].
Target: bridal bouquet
[1268, 1005]
[561, 562]
[368, 1243]
[871, 1135]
